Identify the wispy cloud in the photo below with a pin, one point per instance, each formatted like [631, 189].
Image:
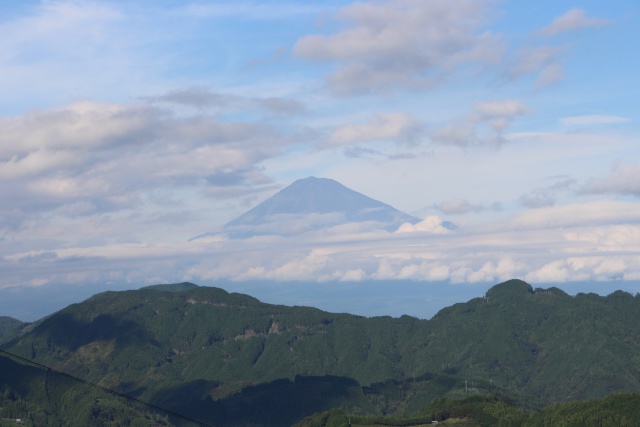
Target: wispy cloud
[469, 131]
[202, 98]
[571, 20]
[111, 157]
[461, 206]
[402, 44]
[543, 61]
[593, 120]
[396, 127]
[623, 179]
[546, 196]
[257, 11]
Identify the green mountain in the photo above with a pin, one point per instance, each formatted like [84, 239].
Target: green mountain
[228, 359]
[616, 410]
[43, 398]
[173, 287]
[9, 328]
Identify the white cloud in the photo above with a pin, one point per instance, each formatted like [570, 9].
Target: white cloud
[550, 74]
[500, 113]
[400, 127]
[461, 133]
[537, 199]
[457, 206]
[353, 275]
[577, 215]
[484, 126]
[402, 44]
[543, 61]
[587, 268]
[77, 133]
[501, 109]
[609, 238]
[38, 162]
[250, 10]
[82, 126]
[203, 98]
[553, 272]
[504, 269]
[546, 196]
[462, 206]
[430, 224]
[581, 242]
[593, 120]
[622, 179]
[571, 20]
[119, 157]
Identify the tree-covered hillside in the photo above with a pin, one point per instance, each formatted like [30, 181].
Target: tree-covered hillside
[230, 358]
[615, 410]
[42, 398]
[9, 328]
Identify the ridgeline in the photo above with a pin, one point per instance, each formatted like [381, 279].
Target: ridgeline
[228, 359]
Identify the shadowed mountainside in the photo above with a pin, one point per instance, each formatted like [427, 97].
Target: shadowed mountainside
[9, 328]
[46, 399]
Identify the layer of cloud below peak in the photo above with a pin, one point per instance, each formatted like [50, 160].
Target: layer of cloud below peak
[547, 245]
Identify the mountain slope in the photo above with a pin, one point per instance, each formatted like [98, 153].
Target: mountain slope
[615, 410]
[207, 345]
[44, 398]
[9, 328]
[313, 203]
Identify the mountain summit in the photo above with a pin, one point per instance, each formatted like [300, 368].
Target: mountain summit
[314, 203]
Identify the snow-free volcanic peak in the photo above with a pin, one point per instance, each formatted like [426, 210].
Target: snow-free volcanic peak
[311, 204]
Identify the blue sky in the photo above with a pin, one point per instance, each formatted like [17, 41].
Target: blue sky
[128, 127]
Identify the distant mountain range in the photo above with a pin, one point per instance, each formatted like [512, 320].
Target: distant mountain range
[231, 360]
[311, 204]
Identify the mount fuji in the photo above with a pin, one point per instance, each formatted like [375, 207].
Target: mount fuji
[311, 204]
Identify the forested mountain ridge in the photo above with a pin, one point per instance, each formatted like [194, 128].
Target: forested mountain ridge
[41, 398]
[210, 352]
[615, 410]
[9, 328]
